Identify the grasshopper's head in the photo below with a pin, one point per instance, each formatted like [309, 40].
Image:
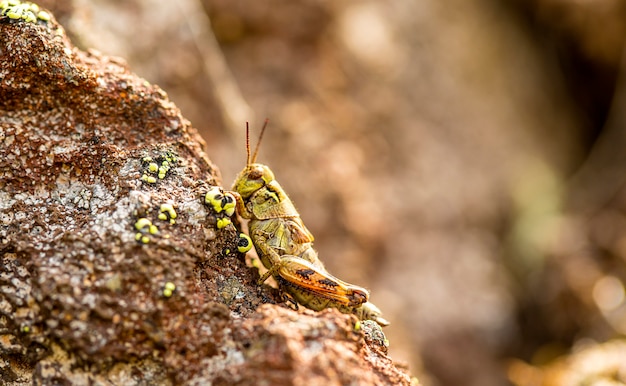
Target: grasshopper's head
[254, 176]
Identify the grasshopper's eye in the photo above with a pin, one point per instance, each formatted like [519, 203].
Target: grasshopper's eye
[255, 174]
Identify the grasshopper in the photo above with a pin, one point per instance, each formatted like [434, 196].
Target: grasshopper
[284, 245]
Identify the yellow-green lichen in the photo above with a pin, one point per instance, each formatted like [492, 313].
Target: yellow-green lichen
[229, 207]
[223, 204]
[144, 239]
[167, 212]
[152, 167]
[244, 244]
[16, 10]
[223, 222]
[43, 15]
[148, 179]
[168, 289]
[143, 226]
[157, 167]
[142, 223]
[162, 172]
[220, 201]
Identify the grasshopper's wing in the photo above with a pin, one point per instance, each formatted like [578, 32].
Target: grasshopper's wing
[288, 236]
[304, 275]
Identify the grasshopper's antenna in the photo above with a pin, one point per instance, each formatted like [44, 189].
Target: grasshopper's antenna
[256, 149]
[248, 143]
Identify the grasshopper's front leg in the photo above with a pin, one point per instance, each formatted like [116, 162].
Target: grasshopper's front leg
[241, 205]
[269, 256]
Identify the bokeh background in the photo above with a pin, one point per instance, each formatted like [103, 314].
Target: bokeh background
[464, 160]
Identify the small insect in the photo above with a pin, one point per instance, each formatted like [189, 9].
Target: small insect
[284, 245]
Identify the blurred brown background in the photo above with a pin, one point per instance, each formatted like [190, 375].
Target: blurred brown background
[463, 160]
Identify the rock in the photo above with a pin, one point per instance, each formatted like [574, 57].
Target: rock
[101, 285]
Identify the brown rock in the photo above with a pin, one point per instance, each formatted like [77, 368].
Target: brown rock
[82, 301]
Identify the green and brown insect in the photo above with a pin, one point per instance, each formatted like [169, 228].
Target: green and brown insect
[284, 245]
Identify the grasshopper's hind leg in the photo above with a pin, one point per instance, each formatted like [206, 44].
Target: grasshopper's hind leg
[314, 284]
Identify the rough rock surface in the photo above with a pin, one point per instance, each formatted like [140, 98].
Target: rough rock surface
[81, 300]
